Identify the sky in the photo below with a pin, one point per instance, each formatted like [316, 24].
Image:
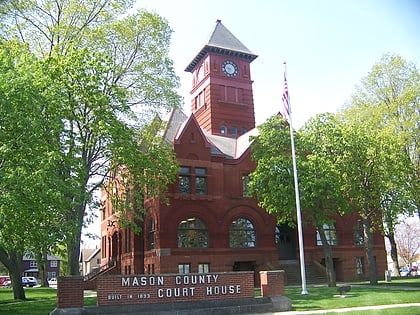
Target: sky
[328, 45]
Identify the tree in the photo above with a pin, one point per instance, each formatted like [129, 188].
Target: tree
[322, 193]
[113, 71]
[388, 99]
[31, 190]
[371, 163]
[408, 241]
[272, 180]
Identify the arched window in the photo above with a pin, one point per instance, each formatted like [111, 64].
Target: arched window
[223, 130]
[234, 131]
[192, 233]
[358, 234]
[330, 233]
[242, 234]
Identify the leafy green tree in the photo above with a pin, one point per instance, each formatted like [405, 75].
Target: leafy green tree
[322, 194]
[272, 180]
[113, 71]
[31, 190]
[370, 162]
[388, 98]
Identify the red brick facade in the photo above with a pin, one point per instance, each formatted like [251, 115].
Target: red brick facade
[210, 225]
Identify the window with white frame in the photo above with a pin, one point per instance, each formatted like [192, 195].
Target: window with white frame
[184, 268]
[330, 233]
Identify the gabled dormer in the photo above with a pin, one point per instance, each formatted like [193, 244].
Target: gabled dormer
[222, 98]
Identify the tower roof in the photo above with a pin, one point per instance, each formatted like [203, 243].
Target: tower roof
[223, 42]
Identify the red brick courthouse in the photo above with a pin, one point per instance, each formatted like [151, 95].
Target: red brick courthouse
[212, 241]
[210, 224]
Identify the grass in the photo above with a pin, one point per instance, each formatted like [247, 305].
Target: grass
[361, 294]
[389, 311]
[38, 301]
[43, 300]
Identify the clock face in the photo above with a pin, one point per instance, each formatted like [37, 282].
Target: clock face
[229, 68]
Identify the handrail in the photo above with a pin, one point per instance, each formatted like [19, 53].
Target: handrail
[102, 268]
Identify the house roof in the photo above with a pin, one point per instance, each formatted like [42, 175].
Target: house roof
[87, 254]
[176, 118]
[222, 41]
[30, 256]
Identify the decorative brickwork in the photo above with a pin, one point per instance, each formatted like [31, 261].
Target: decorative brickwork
[169, 288]
[272, 283]
[70, 292]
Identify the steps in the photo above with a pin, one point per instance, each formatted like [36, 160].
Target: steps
[292, 273]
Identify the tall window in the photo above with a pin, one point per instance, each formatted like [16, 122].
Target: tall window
[192, 233]
[330, 234]
[184, 268]
[360, 266]
[242, 234]
[53, 264]
[127, 240]
[103, 251]
[184, 178]
[151, 234]
[195, 182]
[245, 186]
[358, 234]
[223, 130]
[204, 268]
[234, 131]
[200, 181]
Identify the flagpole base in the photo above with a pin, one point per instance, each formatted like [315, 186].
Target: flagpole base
[304, 292]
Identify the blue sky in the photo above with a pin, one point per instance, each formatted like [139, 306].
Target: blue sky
[329, 46]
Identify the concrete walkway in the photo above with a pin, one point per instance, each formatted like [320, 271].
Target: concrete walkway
[348, 309]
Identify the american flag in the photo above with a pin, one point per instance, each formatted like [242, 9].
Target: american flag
[285, 98]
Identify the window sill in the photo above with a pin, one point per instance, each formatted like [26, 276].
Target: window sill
[192, 197]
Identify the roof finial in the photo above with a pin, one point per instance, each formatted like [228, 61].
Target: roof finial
[218, 21]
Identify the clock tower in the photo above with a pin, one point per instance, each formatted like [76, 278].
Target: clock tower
[222, 99]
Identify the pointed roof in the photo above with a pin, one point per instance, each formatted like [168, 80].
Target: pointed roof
[87, 254]
[223, 42]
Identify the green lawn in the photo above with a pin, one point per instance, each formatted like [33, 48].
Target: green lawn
[43, 300]
[361, 294]
[39, 301]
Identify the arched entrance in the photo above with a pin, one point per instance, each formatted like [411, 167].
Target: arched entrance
[286, 242]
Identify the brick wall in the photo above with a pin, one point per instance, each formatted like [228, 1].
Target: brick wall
[70, 292]
[169, 288]
[272, 283]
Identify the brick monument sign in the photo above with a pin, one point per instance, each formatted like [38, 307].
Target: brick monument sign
[129, 292]
[169, 288]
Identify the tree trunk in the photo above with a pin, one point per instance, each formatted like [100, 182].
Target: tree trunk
[73, 242]
[73, 251]
[394, 254]
[329, 263]
[13, 262]
[42, 261]
[373, 279]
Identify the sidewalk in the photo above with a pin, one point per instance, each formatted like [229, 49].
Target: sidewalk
[348, 309]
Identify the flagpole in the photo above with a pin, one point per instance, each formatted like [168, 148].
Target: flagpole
[298, 212]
